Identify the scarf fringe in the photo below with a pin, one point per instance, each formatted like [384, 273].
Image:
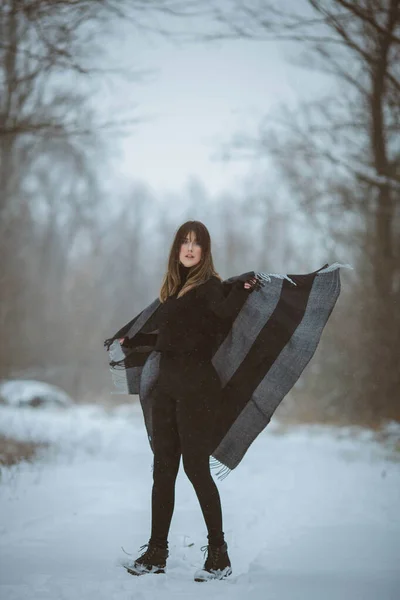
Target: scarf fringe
[118, 363]
[267, 276]
[214, 464]
[332, 267]
[224, 470]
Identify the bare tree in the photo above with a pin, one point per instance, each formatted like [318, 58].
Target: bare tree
[350, 138]
[51, 56]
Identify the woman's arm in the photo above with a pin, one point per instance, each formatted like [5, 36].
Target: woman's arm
[140, 339]
[148, 334]
[224, 307]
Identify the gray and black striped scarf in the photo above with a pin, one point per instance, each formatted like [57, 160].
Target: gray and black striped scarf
[259, 356]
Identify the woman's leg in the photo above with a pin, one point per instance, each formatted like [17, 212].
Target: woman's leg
[195, 416]
[167, 453]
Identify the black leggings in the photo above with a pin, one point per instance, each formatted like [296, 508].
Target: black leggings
[184, 409]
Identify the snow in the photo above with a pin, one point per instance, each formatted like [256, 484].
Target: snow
[311, 513]
[28, 392]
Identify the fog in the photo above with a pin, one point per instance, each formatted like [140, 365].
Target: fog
[275, 125]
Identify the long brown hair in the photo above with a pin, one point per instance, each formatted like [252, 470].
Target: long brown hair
[199, 273]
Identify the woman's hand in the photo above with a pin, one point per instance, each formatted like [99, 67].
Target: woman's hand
[109, 341]
[254, 283]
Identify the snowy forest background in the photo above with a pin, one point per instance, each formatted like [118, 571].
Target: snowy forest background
[312, 510]
[80, 256]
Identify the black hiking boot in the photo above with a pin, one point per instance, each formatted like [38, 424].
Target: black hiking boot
[152, 561]
[217, 565]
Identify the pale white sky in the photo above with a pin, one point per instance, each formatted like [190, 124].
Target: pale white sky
[200, 96]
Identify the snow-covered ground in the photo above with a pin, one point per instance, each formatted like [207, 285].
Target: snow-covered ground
[310, 513]
[25, 392]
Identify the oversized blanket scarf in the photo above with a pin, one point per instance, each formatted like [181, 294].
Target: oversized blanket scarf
[259, 355]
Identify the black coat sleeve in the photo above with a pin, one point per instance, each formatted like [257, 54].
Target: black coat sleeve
[147, 336]
[224, 306]
[141, 339]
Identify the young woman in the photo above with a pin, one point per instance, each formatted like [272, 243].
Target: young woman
[187, 394]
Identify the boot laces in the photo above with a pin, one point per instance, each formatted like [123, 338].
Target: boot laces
[213, 554]
[149, 552]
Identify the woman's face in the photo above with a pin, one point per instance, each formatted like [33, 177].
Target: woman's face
[190, 253]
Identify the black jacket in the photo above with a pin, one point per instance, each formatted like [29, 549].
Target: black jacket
[190, 324]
